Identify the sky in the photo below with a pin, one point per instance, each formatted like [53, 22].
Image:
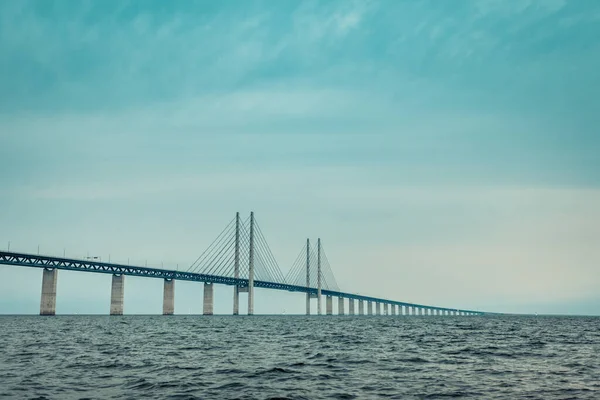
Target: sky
[446, 153]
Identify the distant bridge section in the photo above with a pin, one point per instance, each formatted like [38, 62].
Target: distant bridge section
[239, 257]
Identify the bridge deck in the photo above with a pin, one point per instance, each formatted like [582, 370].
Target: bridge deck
[41, 261]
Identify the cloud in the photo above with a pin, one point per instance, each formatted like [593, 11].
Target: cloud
[439, 144]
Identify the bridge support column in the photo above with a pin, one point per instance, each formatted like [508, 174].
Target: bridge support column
[393, 309]
[369, 308]
[386, 309]
[117, 295]
[361, 307]
[329, 305]
[208, 298]
[378, 308]
[350, 306]
[169, 297]
[236, 300]
[340, 306]
[48, 300]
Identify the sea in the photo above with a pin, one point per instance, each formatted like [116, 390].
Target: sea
[299, 357]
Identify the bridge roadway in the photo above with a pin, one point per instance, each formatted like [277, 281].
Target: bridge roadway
[59, 263]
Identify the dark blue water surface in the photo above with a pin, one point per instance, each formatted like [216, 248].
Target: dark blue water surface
[295, 357]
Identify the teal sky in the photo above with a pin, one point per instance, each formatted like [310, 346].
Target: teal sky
[447, 152]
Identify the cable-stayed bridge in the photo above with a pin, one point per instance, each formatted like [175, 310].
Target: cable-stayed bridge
[240, 257]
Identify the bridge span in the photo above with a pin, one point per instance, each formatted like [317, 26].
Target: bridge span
[258, 270]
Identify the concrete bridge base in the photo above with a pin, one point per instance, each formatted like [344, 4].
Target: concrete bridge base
[208, 298]
[369, 307]
[117, 294]
[329, 305]
[48, 300]
[340, 305]
[361, 307]
[169, 297]
[350, 306]
[378, 308]
[236, 300]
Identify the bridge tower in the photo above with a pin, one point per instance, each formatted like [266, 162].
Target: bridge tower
[308, 276]
[236, 266]
[319, 276]
[251, 267]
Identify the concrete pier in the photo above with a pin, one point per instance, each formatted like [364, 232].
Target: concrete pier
[48, 300]
[209, 299]
[169, 297]
[340, 306]
[369, 307]
[117, 294]
[378, 308]
[329, 305]
[236, 300]
[350, 306]
[361, 307]
[386, 309]
[393, 309]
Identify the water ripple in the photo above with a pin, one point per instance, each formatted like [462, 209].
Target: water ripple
[289, 357]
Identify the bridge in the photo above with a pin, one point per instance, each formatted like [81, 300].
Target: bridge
[238, 257]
